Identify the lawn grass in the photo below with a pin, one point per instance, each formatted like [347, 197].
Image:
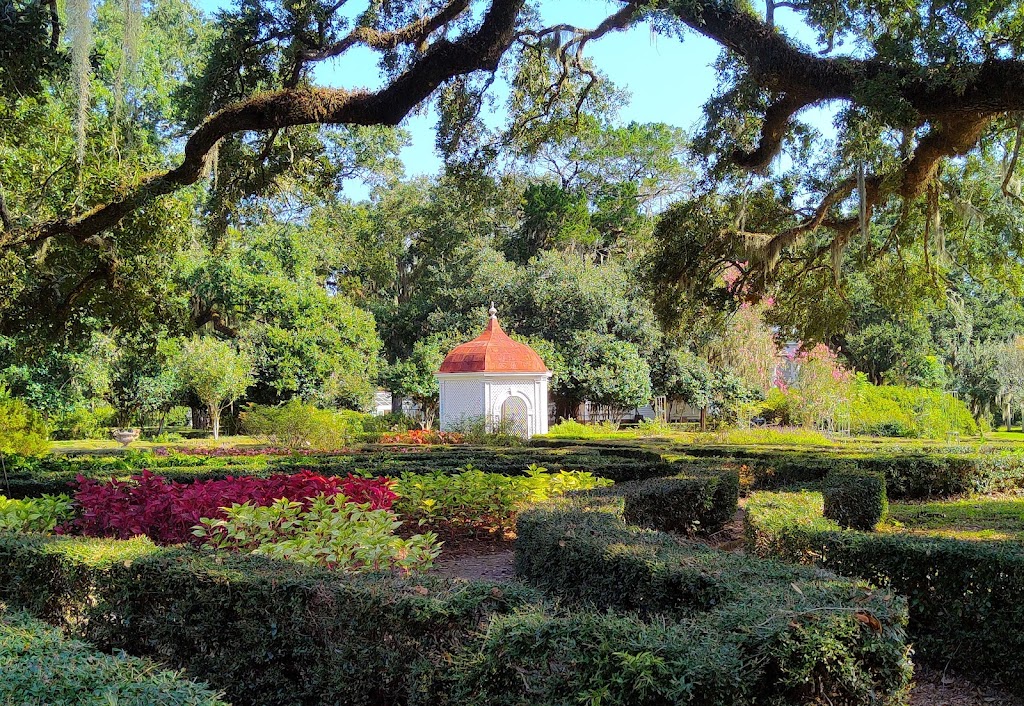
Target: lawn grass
[108, 446]
[977, 518]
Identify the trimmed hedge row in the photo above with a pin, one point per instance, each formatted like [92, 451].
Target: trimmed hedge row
[265, 632]
[41, 666]
[275, 633]
[855, 499]
[30, 477]
[785, 632]
[907, 475]
[966, 597]
[685, 503]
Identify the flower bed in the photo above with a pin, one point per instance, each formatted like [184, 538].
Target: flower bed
[166, 511]
[421, 436]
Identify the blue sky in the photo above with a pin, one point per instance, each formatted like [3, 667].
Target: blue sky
[668, 80]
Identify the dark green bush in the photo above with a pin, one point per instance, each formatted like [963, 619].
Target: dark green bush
[266, 632]
[29, 477]
[855, 499]
[274, 633]
[689, 503]
[801, 627]
[41, 666]
[966, 597]
[911, 475]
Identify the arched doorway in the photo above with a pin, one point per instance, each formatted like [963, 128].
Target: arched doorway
[515, 416]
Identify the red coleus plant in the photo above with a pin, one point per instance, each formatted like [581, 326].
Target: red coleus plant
[166, 511]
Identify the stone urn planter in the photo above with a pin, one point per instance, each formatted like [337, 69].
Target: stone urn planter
[126, 436]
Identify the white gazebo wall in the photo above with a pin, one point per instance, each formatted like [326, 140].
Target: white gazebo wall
[471, 396]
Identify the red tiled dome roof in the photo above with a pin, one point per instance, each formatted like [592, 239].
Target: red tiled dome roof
[493, 352]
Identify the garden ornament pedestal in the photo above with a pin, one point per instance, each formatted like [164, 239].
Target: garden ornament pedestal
[125, 436]
[496, 379]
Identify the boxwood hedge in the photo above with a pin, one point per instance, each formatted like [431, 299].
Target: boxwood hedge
[684, 503]
[41, 666]
[855, 498]
[712, 629]
[804, 631]
[29, 477]
[966, 597]
[907, 475]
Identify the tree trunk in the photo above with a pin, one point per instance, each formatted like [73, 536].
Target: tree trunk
[1008, 419]
[215, 420]
[704, 418]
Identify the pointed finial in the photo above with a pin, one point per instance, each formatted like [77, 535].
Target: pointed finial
[492, 311]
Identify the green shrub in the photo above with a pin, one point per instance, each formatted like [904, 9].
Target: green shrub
[474, 499]
[855, 499]
[41, 666]
[786, 626]
[692, 503]
[266, 632]
[478, 432]
[394, 421]
[908, 474]
[35, 514]
[966, 598]
[84, 423]
[893, 410]
[299, 425]
[276, 633]
[33, 476]
[333, 533]
[22, 430]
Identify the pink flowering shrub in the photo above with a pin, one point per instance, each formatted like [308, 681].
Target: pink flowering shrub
[166, 511]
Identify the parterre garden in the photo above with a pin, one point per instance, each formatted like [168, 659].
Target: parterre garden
[286, 579]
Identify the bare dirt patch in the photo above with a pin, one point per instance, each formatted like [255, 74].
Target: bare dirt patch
[933, 688]
[484, 557]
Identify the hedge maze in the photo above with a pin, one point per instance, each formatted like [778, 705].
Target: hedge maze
[605, 610]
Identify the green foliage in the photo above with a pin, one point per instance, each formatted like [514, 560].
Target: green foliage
[84, 423]
[216, 372]
[29, 477]
[791, 436]
[264, 631]
[413, 376]
[908, 473]
[976, 517]
[332, 532]
[855, 499]
[692, 503]
[890, 410]
[606, 372]
[474, 499]
[571, 429]
[22, 430]
[41, 666]
[36, 514]
[788, 623]
[965, 597]
[478, 431]
[300, 633]
[296, 424]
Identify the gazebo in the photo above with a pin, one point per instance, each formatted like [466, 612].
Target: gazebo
[496, 379]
